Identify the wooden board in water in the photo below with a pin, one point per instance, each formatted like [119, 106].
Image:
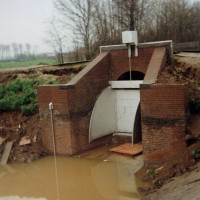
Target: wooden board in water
[128, 149]
[6, 153]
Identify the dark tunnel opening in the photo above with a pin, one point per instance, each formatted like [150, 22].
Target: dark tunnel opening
[136, 75]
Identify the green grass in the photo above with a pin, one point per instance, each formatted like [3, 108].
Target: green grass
[14, 64]
[21, 95]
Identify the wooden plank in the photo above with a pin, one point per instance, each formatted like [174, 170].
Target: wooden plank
[128, 149]
[6, 153]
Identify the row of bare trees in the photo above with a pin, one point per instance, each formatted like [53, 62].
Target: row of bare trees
[17, 51]
[100, 22]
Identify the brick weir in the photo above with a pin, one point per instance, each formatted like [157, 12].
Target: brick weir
[163, 107]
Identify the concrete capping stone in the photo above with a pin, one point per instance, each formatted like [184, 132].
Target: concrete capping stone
[113, 47]
[168, 43]
[145, 86]
[156, 44]
[49, 85]
[150, 82]
[60, 86]
[66, 87]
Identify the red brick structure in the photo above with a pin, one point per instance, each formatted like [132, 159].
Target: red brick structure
[73, 103]
[163, 109]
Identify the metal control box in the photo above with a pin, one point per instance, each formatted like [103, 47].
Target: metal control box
[130, 37]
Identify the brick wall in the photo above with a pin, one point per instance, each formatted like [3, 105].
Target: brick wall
[73, 104]
[55, 94]
[120, 64]
[164, 109]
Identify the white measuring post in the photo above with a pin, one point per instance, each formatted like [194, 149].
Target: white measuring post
[54, 150]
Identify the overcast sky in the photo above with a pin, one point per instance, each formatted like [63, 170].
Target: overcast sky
[24, 21]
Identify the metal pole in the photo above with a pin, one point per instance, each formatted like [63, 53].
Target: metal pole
[132, 138]
[129, 60]
[54, 149]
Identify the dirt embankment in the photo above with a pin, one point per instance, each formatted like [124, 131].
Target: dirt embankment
[179, 178]
[183, 70]
[22, 129]
[60, 74]
[15, 127]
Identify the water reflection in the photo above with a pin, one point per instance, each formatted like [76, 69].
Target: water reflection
[79, 179]
[18, 198]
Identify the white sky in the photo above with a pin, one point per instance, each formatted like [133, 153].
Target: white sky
[24, 21]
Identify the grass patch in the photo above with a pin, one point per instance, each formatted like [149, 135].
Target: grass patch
[14, 64]
[21, 95]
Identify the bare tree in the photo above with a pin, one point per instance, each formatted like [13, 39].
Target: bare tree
[28, 50]
[194, 26]
[56, 40]
[79, 15]
[100, 22]
[128, 13]
[103, 25]
[2, 51]
[15, 50]
[5, 52]
[20, 46]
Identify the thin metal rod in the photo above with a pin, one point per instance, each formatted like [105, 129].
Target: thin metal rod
[54, 150]
[129, 60]
[132, 138]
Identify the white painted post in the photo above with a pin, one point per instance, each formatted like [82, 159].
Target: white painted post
[54, 149]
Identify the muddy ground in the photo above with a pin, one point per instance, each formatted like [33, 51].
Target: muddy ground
[156, 182]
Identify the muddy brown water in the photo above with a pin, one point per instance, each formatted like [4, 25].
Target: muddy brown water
[87, 176]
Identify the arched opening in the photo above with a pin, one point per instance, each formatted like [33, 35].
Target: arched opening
[120, 102]
[136, 75]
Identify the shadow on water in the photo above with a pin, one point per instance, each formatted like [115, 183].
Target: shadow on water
[79, 179]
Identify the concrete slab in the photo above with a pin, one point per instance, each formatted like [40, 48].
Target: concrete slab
[125, 84]
[6, 153]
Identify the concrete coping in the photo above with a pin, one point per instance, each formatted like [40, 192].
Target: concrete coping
[168, 43]
[125, 84]
[147, 85]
